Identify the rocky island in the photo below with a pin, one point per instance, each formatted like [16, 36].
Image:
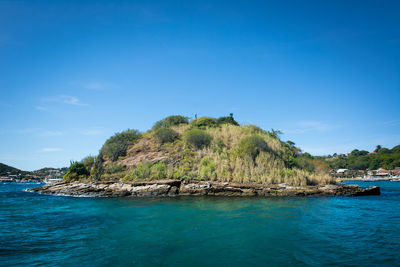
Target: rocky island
[202, 157]
[170, 188]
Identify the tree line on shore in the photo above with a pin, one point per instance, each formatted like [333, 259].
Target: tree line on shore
[381, 157]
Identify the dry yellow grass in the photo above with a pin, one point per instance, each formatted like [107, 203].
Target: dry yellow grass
[220, 162]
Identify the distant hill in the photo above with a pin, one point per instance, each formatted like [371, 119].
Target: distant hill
[47, 170]
[6, 170]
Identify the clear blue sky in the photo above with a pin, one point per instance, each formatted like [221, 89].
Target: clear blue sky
[326, 73]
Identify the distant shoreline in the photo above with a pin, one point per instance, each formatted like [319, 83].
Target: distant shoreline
[367, 180]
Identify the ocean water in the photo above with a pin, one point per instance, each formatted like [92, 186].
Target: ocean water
[199, 231]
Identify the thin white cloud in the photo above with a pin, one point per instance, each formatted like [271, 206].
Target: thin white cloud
[40, 108]
[20, 131]
[27, 131]
[65, 99]
[70, 100]
[33, 131]
[50, 149]
[40, 132]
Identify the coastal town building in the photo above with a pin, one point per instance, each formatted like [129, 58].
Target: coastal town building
[379, 174]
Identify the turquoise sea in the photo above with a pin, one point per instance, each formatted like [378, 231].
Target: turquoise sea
[200, 231]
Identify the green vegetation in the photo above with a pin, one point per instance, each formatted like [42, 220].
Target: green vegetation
[88, 162]
[114, 168]
[147, 170]
[251, 146]
[204, 122]
[8, 170]
[197, 139]
[208, 170]
[229, 120]
[117, 145]
[98, 168]
[254, 129]
[301, 162]
[363, 160]
[165, 135]
[76, 171]
[216, 149]
[208, 122]
[171, 121]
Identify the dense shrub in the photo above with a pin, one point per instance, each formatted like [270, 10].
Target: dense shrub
[275, 133]
[158, 171]
[145, 171]
[165, 135]
[142, 171]
[197, 139]
[117, 144]
[88, 162]
[396, 149]
[114, 168]
[98, 169]
[254, 129]
[290, 162]
[207, 169]
[208, 122]
[205, 122]
[171, 121]
[303, 162]
[251, 146]
[229, 120]
[76, 171]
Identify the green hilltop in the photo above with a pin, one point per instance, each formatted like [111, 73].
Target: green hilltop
[215, 149]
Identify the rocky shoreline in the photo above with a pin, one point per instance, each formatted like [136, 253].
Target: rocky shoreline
[170, 188]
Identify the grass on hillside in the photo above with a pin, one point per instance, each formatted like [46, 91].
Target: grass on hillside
[208, 149]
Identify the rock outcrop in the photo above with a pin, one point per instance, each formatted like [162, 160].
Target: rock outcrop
[165, 188]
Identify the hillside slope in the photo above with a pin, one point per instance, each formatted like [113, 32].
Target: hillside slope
[203, 149]
[5, 170]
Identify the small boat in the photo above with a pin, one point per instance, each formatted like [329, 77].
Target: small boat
[52, 180]
[369, 179]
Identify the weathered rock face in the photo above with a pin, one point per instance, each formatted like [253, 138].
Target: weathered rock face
[164, 188]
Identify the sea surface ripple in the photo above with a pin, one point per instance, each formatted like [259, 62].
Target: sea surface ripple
[47, 230]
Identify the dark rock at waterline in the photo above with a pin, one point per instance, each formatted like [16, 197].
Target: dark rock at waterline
[372, 190]
[164, 188]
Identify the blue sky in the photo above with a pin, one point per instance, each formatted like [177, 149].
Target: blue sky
[326, 73]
